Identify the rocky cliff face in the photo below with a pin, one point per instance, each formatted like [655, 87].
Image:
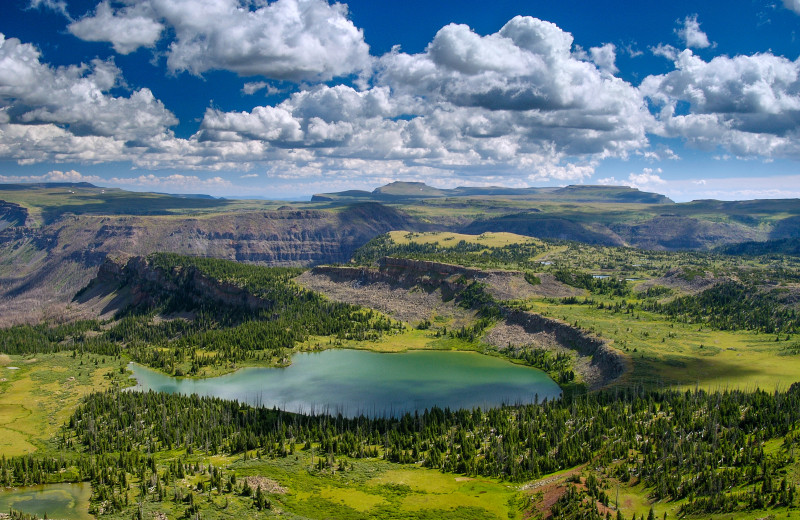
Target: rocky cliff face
[409, 296]
[137, 283]
[602, 364]
[42, 269]
[673, 232]
[13, 215]
[448, 279]
[663, 232]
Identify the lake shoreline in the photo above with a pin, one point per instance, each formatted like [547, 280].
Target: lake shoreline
[354, 382]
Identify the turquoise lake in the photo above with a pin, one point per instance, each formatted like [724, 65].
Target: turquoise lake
[354, 382]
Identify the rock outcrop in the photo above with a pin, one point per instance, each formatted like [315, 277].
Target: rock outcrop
[136, 282]
[13, 215]
[598, 363]
[411, 297]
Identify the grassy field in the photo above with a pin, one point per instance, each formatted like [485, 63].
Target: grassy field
[634, 500]
[445, 238]
[38, 394]
[665, 353]
[363, 489]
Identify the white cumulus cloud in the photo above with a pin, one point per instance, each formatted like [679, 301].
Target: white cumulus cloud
[517, 103]
[173, 181]
[749, 105]
[605, 57]
[67, 113]
[127, 29]
[691, 34]
[793, 5]
[523, 104]
[286, 39]
[74, 97]
[52, 176]
[252, 87]
[648, 179]
[58, 6]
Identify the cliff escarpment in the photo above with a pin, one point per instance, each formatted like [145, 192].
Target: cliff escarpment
[137, 283]
[13, 215]
[409, 297]
[41, 269]
[660, 233]
[598, 363]
[417, 290]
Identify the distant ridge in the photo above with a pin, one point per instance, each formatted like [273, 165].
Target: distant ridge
[404, 191]
[45, 185]
[189, 195]
[86, 185]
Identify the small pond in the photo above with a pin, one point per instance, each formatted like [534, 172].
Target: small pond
[353, 382]
[61, 501]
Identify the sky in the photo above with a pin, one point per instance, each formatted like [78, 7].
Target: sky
[288, 98]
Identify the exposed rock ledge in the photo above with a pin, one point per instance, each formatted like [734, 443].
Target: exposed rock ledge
[597, 362]
[12, 214]
[133, 281]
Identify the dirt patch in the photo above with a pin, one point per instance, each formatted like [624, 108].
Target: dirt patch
[549, 490]
[266, 484]
[535, 484]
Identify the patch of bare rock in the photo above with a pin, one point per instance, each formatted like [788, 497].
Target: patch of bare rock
[416, 290]
[404, 300]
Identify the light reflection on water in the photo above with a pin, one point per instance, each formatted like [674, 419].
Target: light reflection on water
[352, 382]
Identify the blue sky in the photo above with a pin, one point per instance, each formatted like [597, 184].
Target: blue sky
[292, 97]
